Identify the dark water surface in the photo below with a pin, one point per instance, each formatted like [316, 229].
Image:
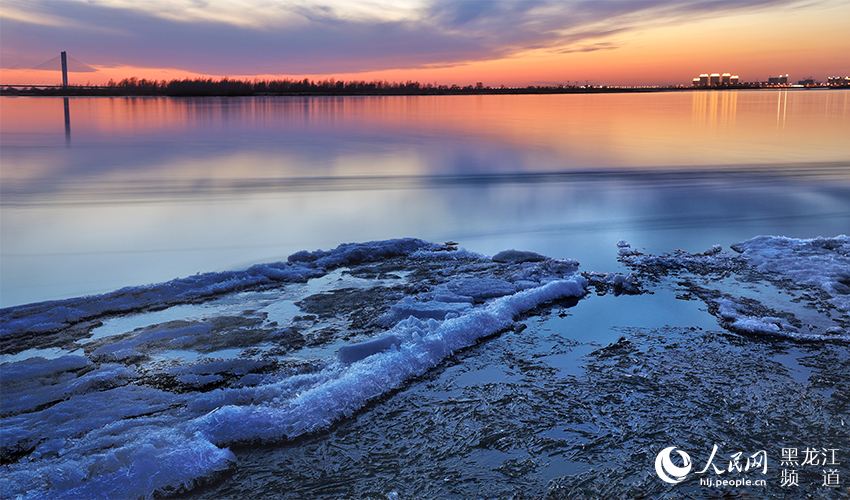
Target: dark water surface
[143, 190]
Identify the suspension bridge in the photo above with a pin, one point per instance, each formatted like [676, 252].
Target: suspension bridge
[63, 63]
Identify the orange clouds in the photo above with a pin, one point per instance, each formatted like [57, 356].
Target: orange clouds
[754, 44]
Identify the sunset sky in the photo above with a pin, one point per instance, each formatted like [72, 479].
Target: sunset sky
[493, 41]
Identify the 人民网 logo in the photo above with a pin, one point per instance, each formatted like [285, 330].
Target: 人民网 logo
[667, 470]
[743, 470]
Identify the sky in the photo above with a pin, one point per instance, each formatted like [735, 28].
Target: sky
[497, 42]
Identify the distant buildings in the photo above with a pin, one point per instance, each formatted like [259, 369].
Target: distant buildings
[728, 80]
[838, 81]
[701, 80]
[715, 80]
[778, 80]
[783, 81]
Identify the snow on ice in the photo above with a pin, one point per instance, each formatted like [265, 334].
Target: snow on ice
[819, 262]
[152, 409]
[814, 272]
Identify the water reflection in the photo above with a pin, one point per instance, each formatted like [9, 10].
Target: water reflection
[713, 110]
[67, 109]
[158, 188]
[781, 108]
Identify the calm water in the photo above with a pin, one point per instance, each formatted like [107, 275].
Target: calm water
[139, 190]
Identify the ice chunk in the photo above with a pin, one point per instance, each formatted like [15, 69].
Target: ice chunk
[424, 343]
[617, 283]
[522, 274]
[76, 416]
[32, 369]
[736, 317]
[279, 388]
[624, 249]
[45, 317]
[757, 325]
[795, 267]
[27, 385]
[517, 256]
[481, 288]
[729, 312]
[447, 299]
[447, 254]
[215, 371]
[53, 316]
[145, 461]
[173, 335]
[421, 308]
[820, 262]
[355, 352]
[356, 253]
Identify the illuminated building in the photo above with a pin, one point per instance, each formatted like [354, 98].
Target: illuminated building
[715, 80]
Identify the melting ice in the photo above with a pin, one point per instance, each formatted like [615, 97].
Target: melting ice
[141, 391]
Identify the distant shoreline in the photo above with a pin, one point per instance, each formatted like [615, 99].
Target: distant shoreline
[92, 91]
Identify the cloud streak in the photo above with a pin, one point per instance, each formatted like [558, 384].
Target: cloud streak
[315, 38]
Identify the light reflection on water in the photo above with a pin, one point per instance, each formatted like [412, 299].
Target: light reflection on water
[150, 189]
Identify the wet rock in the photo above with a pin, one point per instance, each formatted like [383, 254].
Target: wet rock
[518, 256]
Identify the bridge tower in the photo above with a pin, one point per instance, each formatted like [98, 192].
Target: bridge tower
[64, 57]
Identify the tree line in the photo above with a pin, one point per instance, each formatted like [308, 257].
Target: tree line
[233, 87]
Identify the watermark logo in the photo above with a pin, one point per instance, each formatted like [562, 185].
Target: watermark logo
[750, 470]
[667, 470]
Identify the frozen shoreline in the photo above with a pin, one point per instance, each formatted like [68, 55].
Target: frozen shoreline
[397, 309]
